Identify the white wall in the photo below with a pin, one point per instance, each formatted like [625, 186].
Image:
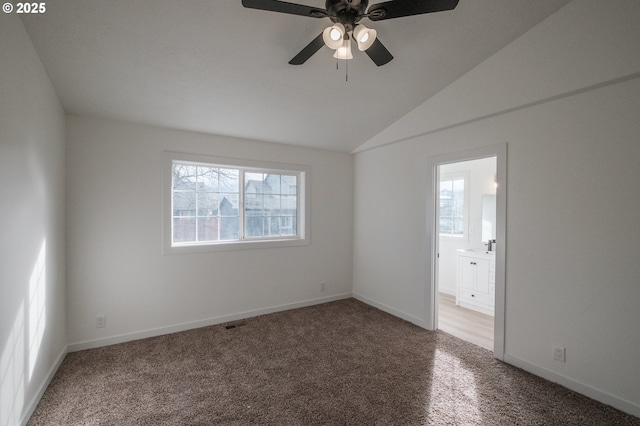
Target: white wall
[573, 196]
[32, 245]
[481, 181]
[114, 217]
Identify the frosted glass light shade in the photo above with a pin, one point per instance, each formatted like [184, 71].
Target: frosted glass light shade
[344, 51]
[364, 37]
[333, 35]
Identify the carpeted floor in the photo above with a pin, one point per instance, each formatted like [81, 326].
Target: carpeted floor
[339, 363]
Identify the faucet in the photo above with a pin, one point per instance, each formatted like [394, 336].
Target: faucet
[491, 245]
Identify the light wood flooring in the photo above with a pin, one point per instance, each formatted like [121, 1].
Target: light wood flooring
[467, 324]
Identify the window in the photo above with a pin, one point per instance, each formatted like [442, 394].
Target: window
[216, 203]
[453, 205]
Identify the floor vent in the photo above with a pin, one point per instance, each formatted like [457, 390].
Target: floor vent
[235, 325]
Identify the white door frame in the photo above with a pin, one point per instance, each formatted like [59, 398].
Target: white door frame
[500, 152]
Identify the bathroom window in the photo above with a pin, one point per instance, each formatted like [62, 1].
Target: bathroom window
[453, 204]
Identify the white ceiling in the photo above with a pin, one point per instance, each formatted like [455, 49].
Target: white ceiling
[213, 66]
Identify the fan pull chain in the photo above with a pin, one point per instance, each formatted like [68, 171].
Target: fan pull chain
[346, 76]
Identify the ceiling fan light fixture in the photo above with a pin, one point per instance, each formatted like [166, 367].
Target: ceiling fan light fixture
[333, 35]
[344, 51]
[364, 36]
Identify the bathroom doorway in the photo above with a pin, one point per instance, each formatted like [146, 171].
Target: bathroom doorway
[466, 194]
[468, 214]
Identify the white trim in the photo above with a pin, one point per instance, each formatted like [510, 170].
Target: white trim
[584, 389]
[97, 343]
[447, 291]
[388, 309]
[33, 404]
[500, 152]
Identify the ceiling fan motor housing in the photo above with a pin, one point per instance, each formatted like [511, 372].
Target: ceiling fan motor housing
[346, 12]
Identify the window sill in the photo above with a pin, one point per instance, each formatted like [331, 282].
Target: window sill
[235, 245]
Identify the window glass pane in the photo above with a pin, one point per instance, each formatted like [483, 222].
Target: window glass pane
[254, 183]
[289, 205]
[254, 204]
[184, 204]
[446, 208]
[254, 226]
[271, 204]
[445, 225]
[451, 219]
[207, 204]
[229, 180]
[288, 225]
[229, 228]
[458, 187]
[289, 185]
[184, 177]
[288, 209]
[184, 229]
[446, 190]
[458, 226]
[207, 178]
[268, 212]
[229, 204]
[272, 184]
[208, 229]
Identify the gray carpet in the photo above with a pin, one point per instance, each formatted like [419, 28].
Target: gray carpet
[339, 363]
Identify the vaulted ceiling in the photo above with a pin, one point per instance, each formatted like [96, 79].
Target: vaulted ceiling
[213, 66]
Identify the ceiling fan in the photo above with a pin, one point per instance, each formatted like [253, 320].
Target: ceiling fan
[346, 16]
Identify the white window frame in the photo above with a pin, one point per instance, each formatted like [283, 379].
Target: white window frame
[463, 175]
[303, 219]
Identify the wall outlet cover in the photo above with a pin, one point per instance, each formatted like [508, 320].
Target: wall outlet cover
[101, 321]
[559, 353]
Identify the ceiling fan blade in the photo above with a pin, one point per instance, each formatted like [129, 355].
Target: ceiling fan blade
[378, 53]
[308, 51]
[284, 7]
[399, 8]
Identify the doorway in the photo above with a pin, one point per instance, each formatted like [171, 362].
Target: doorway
[468, 278]
[466, 259]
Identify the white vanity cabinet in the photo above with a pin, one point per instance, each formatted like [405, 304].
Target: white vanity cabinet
[475, 280]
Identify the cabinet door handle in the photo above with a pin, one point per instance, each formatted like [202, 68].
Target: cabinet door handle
[473, 295]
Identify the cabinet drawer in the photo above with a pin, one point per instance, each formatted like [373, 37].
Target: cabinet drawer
[475, 297]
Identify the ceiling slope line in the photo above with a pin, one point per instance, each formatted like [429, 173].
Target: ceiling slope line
[526, 105]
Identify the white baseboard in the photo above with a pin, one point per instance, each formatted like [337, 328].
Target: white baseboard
[586, 390]
[33, 404]
[388, 309]
[450, 292]
[97, 343]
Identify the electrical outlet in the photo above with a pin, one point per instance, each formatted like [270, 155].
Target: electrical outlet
[101, 321]
[323, 287]
[559, 353]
